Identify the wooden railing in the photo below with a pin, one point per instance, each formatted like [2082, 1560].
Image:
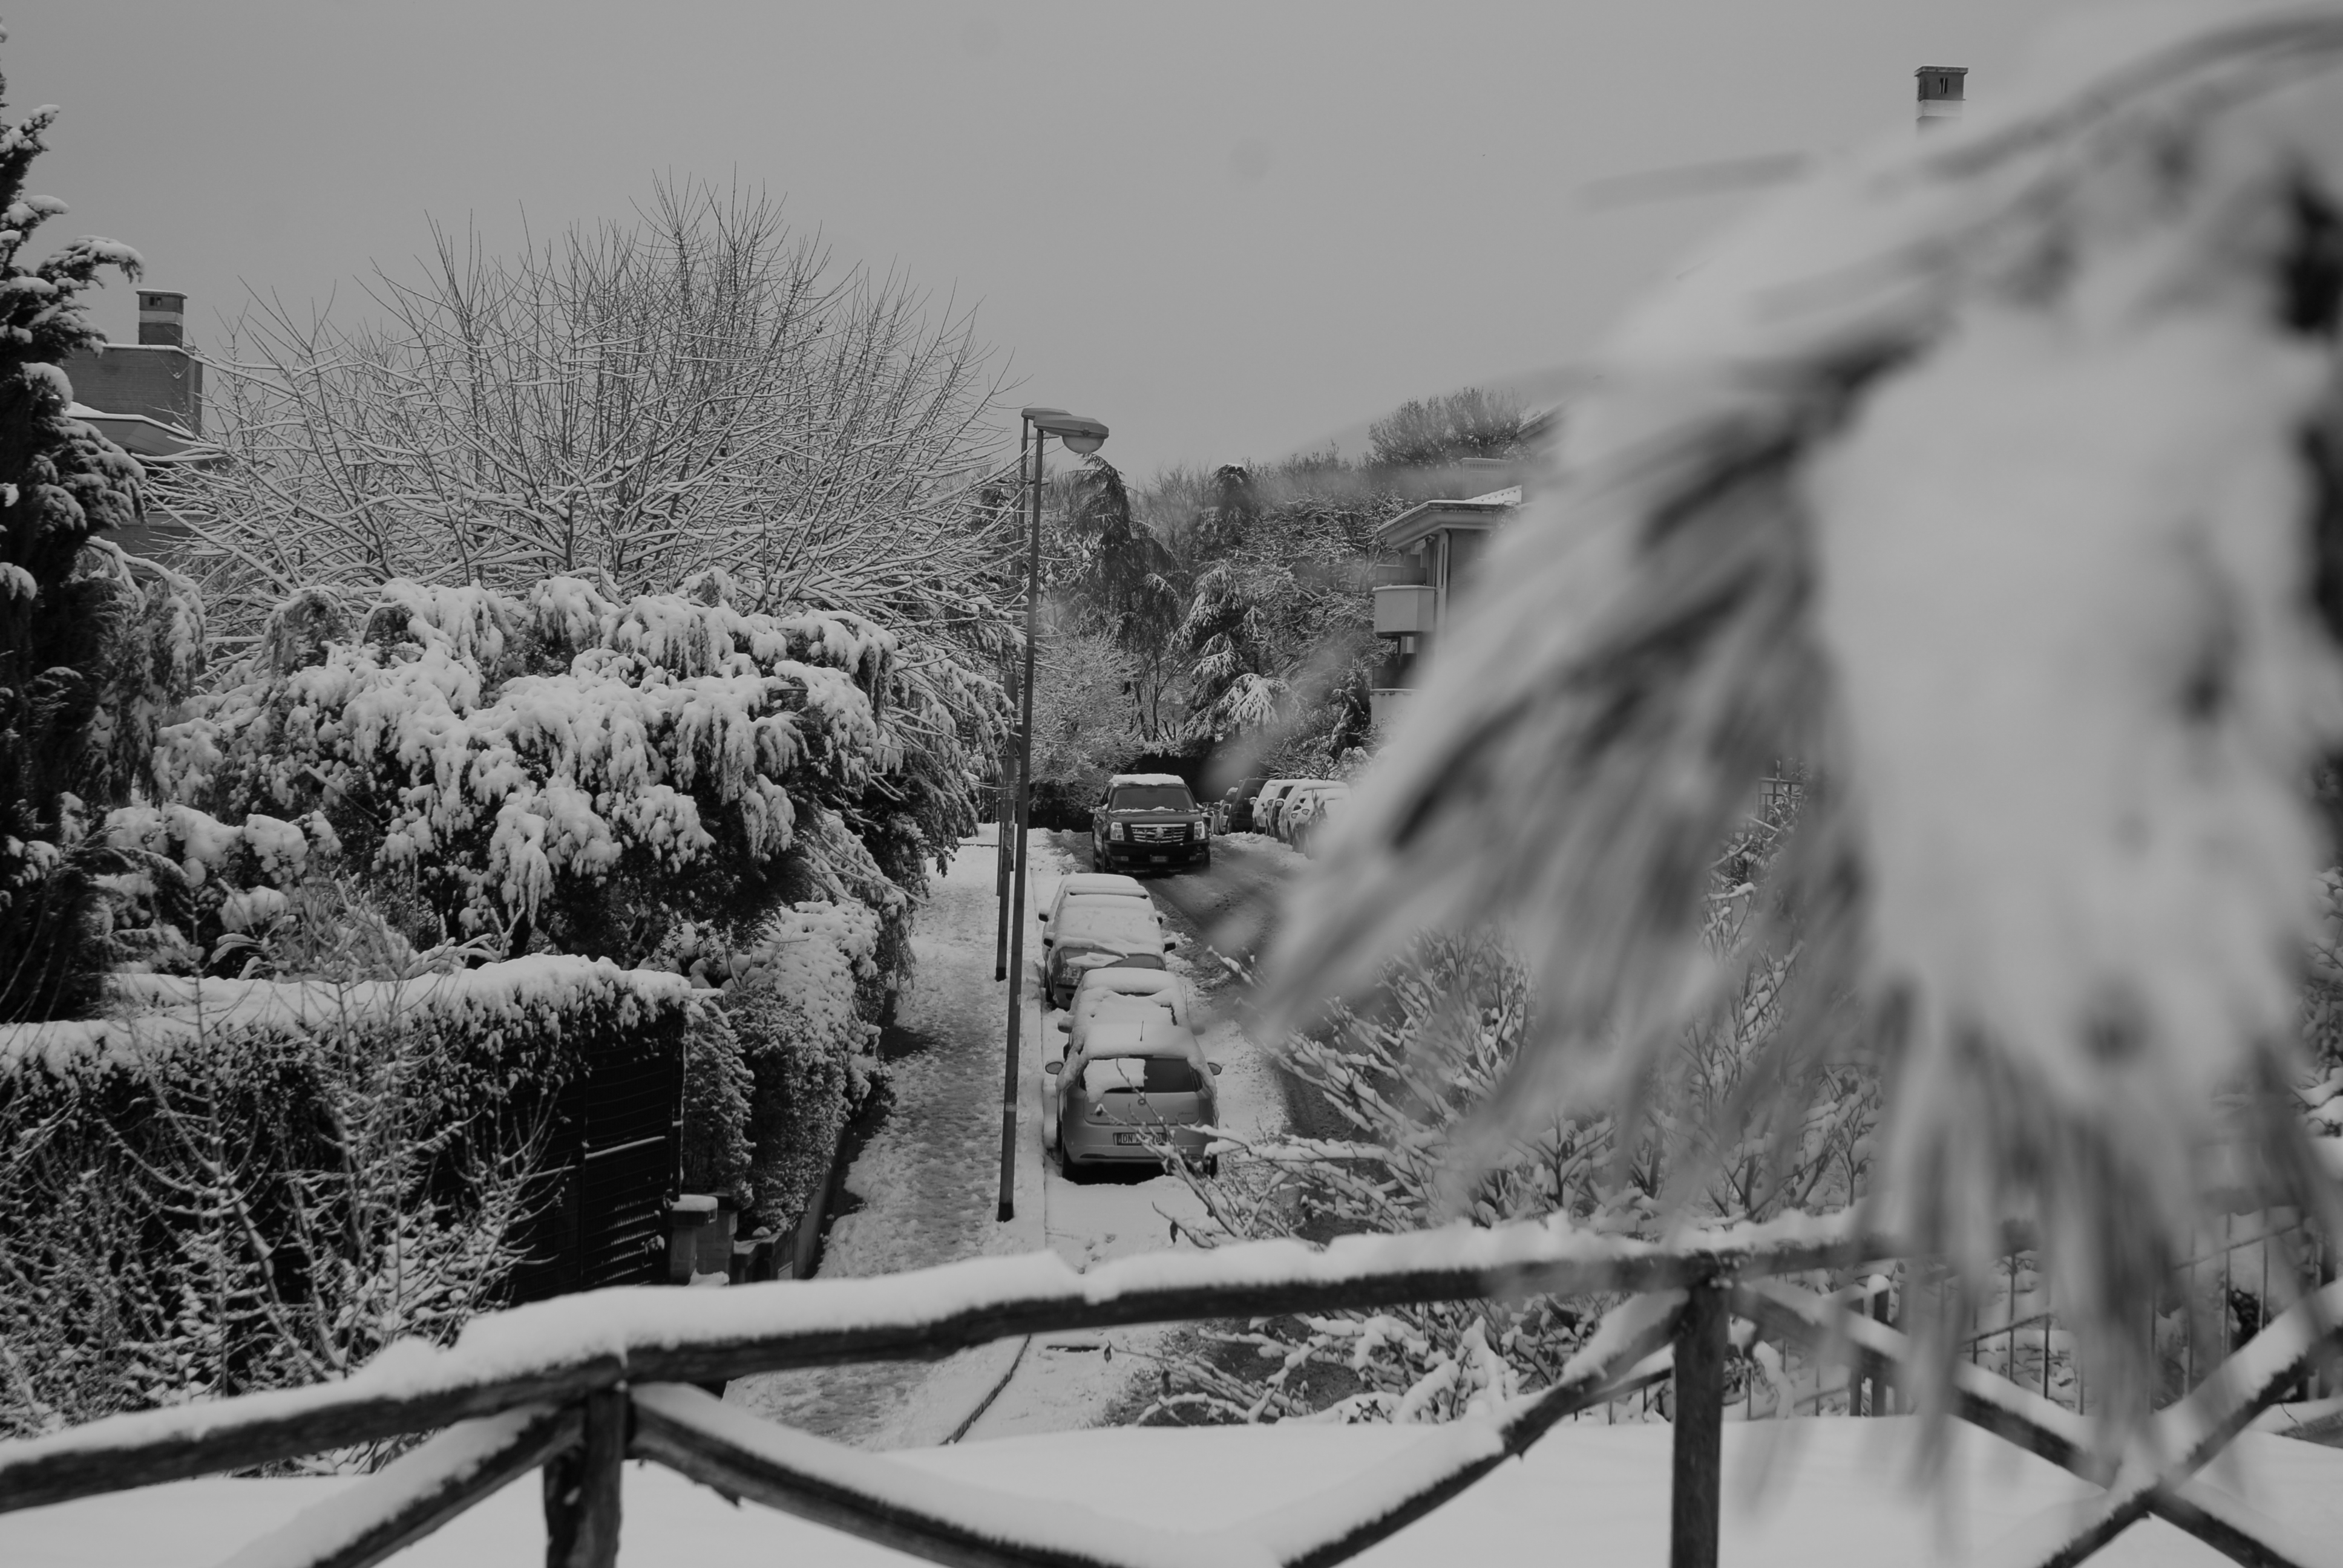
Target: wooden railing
[573, 1387]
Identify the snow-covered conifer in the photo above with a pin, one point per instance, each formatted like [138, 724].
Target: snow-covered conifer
[84, 671]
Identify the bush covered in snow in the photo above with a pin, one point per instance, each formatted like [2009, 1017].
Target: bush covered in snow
[556, 771]
[801, 1043]
[244, 1184]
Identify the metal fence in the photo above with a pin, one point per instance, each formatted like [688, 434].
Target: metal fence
[574, 1387]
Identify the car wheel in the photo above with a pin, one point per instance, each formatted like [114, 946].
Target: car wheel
[1211, 1165]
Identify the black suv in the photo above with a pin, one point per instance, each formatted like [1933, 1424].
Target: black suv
[1146, 820]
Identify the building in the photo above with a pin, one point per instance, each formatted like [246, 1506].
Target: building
[147, 399]
[1424, 556]
[148, 396]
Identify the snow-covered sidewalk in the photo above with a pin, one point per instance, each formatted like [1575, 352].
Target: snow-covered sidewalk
[929, 1180]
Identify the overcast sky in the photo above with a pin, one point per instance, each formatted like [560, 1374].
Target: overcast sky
[1225, 229]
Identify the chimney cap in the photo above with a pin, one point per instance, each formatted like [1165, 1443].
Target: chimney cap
[1942, 81]
[160, 298]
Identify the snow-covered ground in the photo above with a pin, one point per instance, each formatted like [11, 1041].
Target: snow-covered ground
[1808, 1493]
[929, 1182]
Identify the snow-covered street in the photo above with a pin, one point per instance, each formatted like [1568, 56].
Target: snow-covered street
[926, 1188]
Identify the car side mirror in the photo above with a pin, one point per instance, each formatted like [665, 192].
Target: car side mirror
[1065, 1026]
[1043, 917]
[1215, 1067]
[1171, 942]
[1054, 1067]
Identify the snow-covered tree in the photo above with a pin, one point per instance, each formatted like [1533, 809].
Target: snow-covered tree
[93, 647]
[1993, 476]
[1429, 432]
[630, 406]
[562, 770]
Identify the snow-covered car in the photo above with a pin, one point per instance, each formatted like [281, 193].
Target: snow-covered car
[1114, 990]
[1311, 813]
[1138, 1082]
[1094, 931]
[1281, 818]
[1092, 885]
[1149, 819]
[1264, 804]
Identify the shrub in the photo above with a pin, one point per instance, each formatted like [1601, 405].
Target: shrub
[254, 1184]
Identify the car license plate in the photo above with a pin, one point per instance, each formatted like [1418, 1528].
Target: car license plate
[1158, 859]
[1126, 1138]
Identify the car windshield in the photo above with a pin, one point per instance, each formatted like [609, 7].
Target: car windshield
[1152, 798]
[1141, 1075]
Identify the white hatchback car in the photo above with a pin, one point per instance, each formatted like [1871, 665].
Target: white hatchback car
[1138, 1084]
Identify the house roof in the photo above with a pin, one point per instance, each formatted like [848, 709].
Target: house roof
[135, 433]
[1427, 518]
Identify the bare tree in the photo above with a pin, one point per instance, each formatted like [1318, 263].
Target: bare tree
[635, 403]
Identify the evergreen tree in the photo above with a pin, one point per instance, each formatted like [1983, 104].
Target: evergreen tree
[60, 621]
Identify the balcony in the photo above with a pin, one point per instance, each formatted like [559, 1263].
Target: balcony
[1405, 610]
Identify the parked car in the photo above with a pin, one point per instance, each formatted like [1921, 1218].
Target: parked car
[1264, 804]
[1137, 1082]
[1093, 885]
[1149, 819]
[1115, 989]
[1311, 812]
[1093, 932]
[1235, 813]
[1279, 812]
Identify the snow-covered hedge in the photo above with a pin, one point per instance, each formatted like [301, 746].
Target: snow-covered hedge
[231, 1185]
[801, 1037]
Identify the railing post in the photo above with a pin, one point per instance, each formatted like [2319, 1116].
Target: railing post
[581, 1488]
[1696, 1489]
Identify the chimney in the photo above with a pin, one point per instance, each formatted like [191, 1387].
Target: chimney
[162, 318]
[1942, 94]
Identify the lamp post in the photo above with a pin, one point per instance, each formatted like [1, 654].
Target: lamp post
[1082, 436]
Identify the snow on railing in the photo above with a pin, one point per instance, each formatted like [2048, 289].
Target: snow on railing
[579, 1384]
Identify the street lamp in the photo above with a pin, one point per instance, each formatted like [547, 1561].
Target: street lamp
[1083, 436]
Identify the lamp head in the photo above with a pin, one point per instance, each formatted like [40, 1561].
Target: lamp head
[1080, 434]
